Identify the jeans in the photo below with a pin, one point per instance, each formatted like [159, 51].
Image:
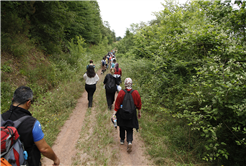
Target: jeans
[90, 90]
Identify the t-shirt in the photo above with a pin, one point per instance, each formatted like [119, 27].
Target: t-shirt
[103, 62]
[37, 132]
[112, 65]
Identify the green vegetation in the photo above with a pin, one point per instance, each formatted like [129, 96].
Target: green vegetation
[189, 66]
[39, 51]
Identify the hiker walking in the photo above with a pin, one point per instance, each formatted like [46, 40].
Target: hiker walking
[90, 64]
[106, 60]
[103, 62]
[113, 63]
[110, 87]
[91, 79]
[30, 131]
[118, 73]
[127, 101]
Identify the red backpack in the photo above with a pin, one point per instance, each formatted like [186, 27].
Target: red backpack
[12, 149]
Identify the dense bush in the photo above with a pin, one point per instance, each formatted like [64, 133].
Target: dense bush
[197, 52]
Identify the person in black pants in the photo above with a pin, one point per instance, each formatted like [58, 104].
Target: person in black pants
[126, 125]
[91, 79]
[110, 92]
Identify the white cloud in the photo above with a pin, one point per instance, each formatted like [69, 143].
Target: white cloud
[122, 13]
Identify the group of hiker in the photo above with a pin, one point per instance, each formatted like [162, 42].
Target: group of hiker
[127, 101]
[30, 131]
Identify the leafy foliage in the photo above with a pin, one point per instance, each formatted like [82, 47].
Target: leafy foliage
[197, 52]
[51, 25]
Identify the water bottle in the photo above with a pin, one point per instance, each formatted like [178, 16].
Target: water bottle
[25, 155]
[115, 123]
[121, 106]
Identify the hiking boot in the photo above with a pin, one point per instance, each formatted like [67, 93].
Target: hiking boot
[129, 146]
[121, 141]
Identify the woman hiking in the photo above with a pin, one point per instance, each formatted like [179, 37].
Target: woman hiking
[91, 79]
[118, 73]
[110, 86]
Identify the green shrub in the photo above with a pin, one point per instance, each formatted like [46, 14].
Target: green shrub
[6, 96]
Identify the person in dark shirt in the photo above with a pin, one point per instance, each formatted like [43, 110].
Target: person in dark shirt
[30, 130]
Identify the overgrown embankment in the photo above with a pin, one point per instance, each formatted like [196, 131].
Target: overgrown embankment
[56, 80]
[189, 65]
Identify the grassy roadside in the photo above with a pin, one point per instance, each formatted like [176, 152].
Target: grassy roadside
[56, 80]
[167, 139]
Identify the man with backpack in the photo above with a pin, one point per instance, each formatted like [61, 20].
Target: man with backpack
[30, 131]
[127, 101]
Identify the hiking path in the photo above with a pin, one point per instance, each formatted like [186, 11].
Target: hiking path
[67, 139]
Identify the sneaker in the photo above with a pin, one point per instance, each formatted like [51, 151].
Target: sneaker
[129, 146]
[121, 141]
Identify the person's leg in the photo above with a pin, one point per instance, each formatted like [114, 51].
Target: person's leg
[129, 134]
[92, 90]
[108, 99]
[113, 94]
[129, 139]
[122, 133]
[90, 97]
[87, 90]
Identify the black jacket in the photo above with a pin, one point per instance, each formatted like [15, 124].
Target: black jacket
[25, 132]
[110, 77]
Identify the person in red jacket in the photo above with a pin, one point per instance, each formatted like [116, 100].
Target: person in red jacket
[118, 73]
[127, 125]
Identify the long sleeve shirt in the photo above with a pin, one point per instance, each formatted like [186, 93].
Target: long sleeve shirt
[136, 98]
[119, 72]
[92, 80]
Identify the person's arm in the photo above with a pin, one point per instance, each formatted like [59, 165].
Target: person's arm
[105, 79]
[118, 102]
[84, 76]
[46, 150]
[137, 102]
[139, 114]
[97, 78]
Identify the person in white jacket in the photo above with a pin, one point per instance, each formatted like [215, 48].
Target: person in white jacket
[91, 79]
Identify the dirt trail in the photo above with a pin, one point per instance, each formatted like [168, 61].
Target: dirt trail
[70, 134]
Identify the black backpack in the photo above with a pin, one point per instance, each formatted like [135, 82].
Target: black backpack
[110, 84]
[127, 107]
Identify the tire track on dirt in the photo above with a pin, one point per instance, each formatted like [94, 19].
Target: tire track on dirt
[64, 146]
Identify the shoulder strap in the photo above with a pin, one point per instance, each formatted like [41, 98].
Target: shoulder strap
[1, 118]
[127, 91]
[20, 120]
[131, 91]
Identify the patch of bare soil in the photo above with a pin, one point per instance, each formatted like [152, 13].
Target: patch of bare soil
[65, 144]
[137, 156]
